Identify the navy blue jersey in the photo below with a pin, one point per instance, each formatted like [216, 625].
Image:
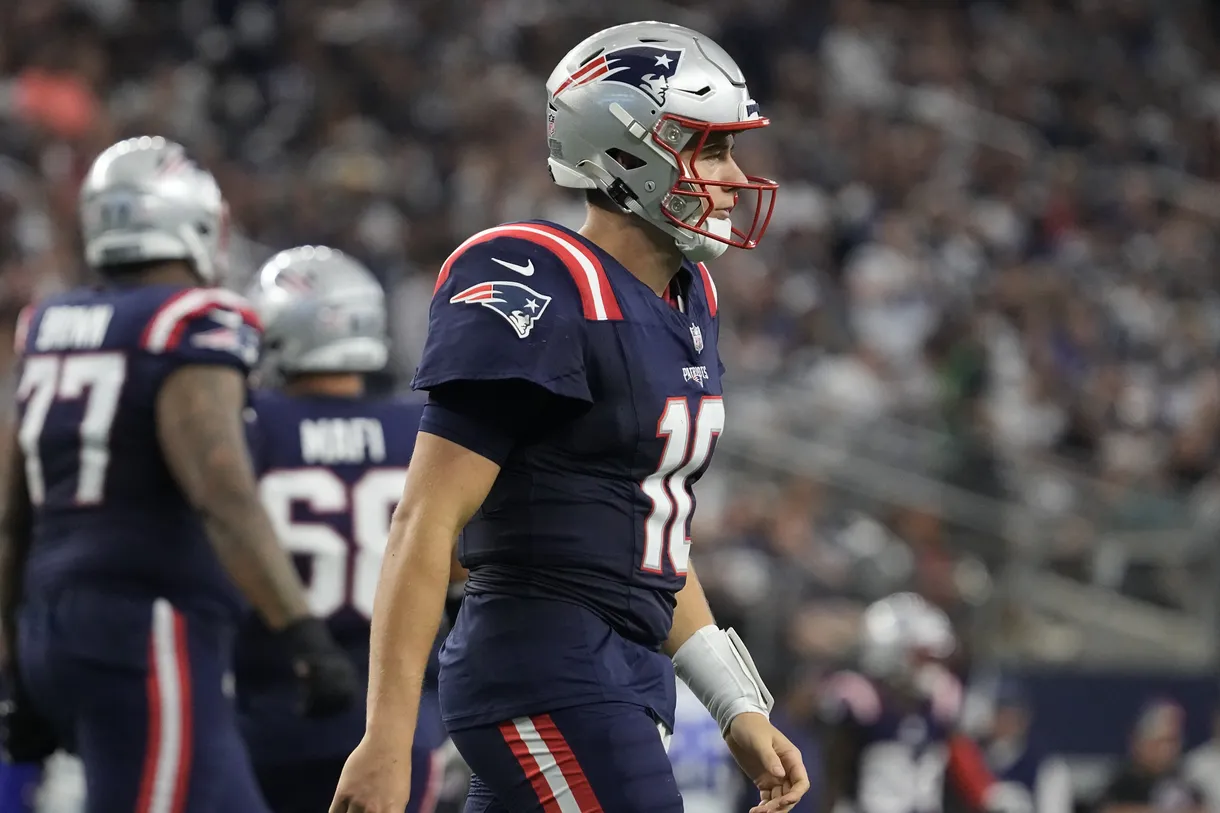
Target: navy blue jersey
[107, 512]
[582, 543]
[902, 746]
[331, 471]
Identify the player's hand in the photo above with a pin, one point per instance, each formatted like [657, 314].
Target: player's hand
[328, 678]
[376, 778]
[770, 760]
[27, 736]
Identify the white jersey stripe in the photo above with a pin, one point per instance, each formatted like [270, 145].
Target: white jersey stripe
[591, 276]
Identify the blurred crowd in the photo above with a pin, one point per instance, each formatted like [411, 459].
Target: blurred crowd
[995, 224]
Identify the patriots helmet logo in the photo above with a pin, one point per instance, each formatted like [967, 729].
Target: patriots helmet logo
[647, 68]
[520, 305]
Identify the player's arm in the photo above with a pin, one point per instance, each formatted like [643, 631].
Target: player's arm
[15, 537]
[714, 663]
[201, 432]
[446, 483]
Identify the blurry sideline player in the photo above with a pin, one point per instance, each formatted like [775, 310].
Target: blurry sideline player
[889, 731]
[132, 507]
[574, 399]
[331, 465]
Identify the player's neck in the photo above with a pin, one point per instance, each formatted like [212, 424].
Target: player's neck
[174, 272]
[334, 385]
[646, 252]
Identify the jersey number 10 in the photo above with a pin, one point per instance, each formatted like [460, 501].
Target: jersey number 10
[687, 449]
[343, 572]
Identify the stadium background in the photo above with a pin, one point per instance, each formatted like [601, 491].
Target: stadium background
[975, 356]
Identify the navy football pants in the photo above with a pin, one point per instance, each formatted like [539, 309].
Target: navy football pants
[135, 688]
[601, 757]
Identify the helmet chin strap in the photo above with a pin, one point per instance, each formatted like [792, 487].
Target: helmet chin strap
[699, 248]
[696, 247]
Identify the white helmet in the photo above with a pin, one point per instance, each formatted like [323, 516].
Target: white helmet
[621, 107]
[144, 200]
[322, 312]
[899, 629]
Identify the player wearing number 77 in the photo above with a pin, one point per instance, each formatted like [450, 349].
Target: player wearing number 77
[132, 510]
[331, 463]
[574, 399]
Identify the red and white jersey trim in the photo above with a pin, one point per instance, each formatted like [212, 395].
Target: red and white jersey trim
[709, 289]
[165, 329]
[22, 331]
[596, 296]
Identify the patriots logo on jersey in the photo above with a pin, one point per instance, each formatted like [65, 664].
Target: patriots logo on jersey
[241, 341]
[520, 305]
[646, 68]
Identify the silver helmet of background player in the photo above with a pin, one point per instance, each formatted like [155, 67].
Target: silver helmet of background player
[322, 312]
[625, 102]
[144, 200]
[899, 631]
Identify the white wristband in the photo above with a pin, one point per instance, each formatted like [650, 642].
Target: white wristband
[717, 667]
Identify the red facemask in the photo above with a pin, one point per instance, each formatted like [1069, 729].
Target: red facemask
[690, 186]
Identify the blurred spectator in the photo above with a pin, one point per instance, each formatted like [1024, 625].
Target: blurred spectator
[1202, 767]
[1152, 779]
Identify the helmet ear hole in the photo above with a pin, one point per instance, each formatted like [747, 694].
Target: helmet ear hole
[625, 159]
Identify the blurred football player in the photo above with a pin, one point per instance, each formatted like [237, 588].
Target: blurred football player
[132, 527]
[331, 464]
[574, 399]
[889, 733]
[1027, 774]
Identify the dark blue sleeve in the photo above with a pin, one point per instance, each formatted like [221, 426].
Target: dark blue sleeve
[506, 309]
[491, 418]
[204, 326]
[466, 431]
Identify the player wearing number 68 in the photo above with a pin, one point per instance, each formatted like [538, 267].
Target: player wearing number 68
[574, 400]
[331, 463]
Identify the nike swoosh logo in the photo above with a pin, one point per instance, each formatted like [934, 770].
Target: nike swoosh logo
[526, 270]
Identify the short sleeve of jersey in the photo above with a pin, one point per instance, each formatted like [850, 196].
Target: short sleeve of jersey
[506, 309]
[205, 326]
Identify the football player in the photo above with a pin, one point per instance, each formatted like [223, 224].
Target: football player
[132, 527]
[574, 389]
[890, 730]
[331, 464]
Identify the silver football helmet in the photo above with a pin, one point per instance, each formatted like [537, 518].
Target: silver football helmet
[145, 200]
[322, 312]
[626, 102]
[899, 630]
